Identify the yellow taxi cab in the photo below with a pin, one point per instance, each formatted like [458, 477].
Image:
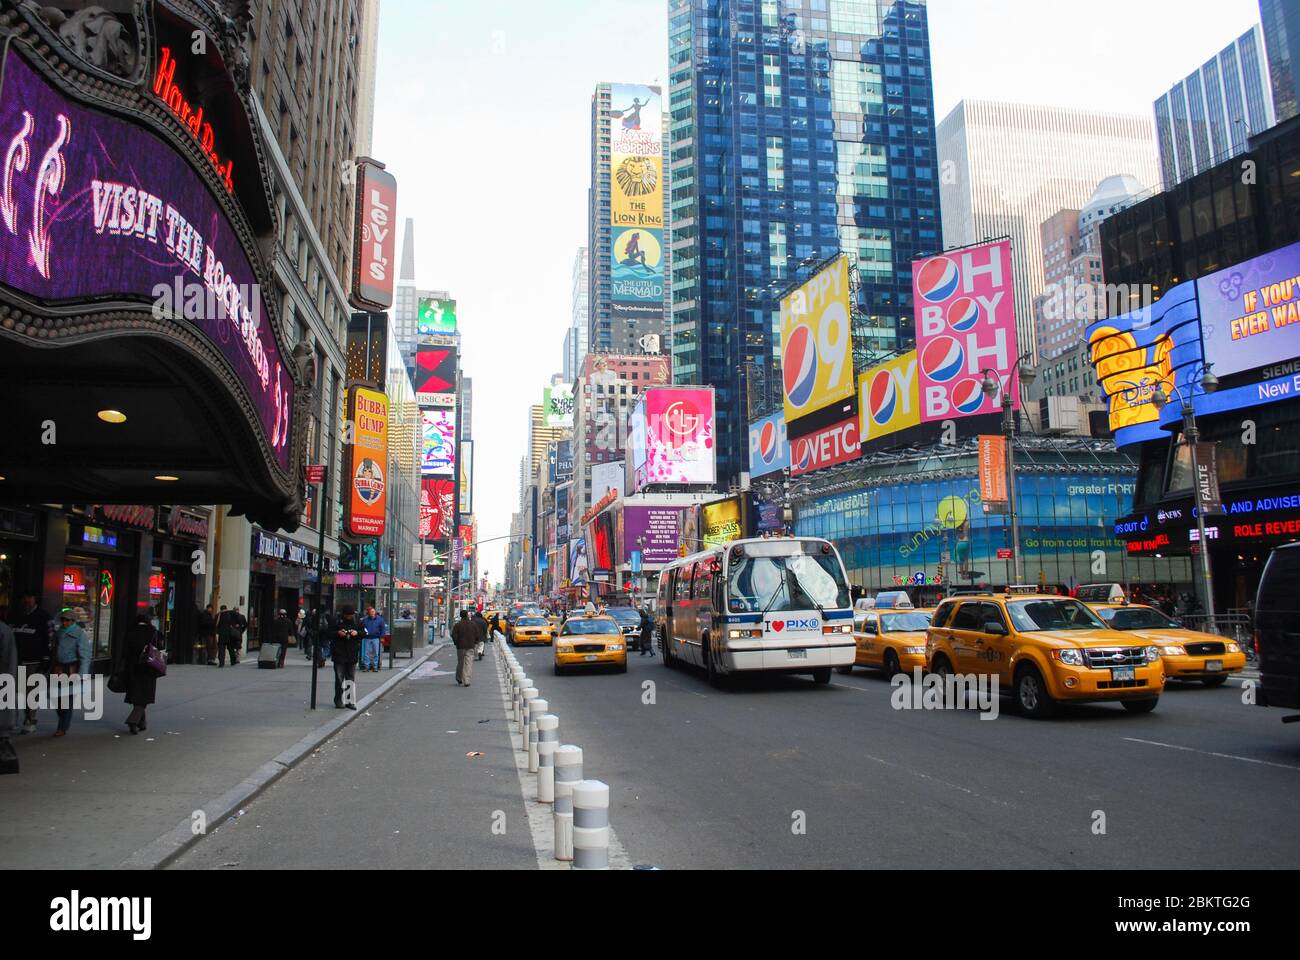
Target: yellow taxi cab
[590, 641]
[1187, 654]
[1047, 649]
[890, 639]
[531, 628]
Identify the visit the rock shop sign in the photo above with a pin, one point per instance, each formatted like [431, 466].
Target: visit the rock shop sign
[93, 206]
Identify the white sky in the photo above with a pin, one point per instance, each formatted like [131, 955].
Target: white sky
[483, 115]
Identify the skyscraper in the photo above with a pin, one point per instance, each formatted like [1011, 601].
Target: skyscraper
[795, 133]
[1206, 117]
[1008, 167]
[1280, 20]
[627, 224]
[575, 339]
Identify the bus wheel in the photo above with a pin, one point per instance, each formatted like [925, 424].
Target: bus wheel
[715, 678]
[822, 675]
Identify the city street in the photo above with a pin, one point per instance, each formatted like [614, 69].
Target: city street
[706, 778]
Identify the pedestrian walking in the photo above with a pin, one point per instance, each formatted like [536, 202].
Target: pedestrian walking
[481, 625]
[322, 639]
[647, 632]
[465, 636]
[230, 633]
[8, 716]
[281, 631]
[302, 631]
[141, 680]
[345, 644]
[72, 657]
[34, 636]
[206, 625]
[376, 627]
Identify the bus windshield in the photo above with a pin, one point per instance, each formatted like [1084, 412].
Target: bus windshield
[781, 583]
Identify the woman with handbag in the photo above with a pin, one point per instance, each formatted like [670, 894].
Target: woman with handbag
[142, 665]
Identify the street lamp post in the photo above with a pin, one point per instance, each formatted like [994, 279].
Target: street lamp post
[991, 386]
[1209, 383]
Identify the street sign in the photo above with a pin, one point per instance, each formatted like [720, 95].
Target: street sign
[315, 473]
[1004, 553]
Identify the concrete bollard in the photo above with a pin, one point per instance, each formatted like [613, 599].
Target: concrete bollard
[526, 694]
[536, 708]
[590, 825]
[568, 771]
[548, 738]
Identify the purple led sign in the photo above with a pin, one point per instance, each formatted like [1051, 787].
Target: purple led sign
[93, 206]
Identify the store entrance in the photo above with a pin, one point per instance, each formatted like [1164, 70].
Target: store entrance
[90, 588]
[1237, 569]
[261, 607]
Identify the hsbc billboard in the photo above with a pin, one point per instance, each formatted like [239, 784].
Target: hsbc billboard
[826, 447]
[965, 323]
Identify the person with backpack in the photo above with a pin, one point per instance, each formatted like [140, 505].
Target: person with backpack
[141, 678]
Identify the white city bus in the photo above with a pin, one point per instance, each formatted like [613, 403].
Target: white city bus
[775, 604]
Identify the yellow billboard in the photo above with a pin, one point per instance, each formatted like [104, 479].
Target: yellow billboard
[1129, 372]
[888, 398]
[817, 343]
[636, 192]
[720, 522]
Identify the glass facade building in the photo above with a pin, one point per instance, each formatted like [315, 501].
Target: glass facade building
[1280, 20]
[911, 511]
[798, 128]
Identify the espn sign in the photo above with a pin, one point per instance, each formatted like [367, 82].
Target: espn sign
[837, 443]
[374, 258]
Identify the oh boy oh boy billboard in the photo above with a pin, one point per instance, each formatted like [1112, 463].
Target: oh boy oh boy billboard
[965, 323]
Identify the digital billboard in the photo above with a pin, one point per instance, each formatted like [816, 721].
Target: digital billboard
[467, 476]
[119, 214]
[678, 426]
[1250, 312]
[435, 370]
[769, 445]
[557, 405]
[720, 522]
[888, 398]
[600, 541]
[367, 463]
[439, 446]
[437, 504]
[655, 528]
[965, 322]
[817, 342]
[436, 317]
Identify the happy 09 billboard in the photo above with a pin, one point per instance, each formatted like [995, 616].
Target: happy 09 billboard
[817, 343]
[965, 323]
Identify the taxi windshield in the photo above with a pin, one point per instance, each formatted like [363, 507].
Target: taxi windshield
[1044, 614]
[533, 622]
[594, 625]
[1136, 618]
[911, 622]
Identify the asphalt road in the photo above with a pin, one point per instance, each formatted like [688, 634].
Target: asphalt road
[775, 772]
[709, 778]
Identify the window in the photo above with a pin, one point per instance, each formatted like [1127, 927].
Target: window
[968, 617]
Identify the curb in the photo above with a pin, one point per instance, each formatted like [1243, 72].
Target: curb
[173, 843]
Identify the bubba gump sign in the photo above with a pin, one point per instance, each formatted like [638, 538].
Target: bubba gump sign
[367, 500]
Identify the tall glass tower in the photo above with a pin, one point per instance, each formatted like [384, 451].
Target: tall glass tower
[798, 129]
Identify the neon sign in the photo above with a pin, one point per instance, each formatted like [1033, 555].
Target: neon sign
[165, 89]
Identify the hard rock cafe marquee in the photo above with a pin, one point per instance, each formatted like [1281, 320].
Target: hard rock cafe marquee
[136, 224]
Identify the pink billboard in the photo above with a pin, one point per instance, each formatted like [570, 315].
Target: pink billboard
[965, 324]
[678, 429]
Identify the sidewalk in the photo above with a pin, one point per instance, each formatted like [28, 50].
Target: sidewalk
[98, 796]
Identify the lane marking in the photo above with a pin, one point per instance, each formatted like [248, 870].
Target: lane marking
[1211, 753]
[541, 819]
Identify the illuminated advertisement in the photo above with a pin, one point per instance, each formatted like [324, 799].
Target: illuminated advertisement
[435, 317]
[825, 447]
[439, 446]
[118, 214]
[467, 476]
[1135, 352]
[653, 531]
[600, 540]
[720, 522]
[374, 242]
[769, 445]
[1250, 312]
[579, 571]
[367, 463]
[557, 405]
[888, 398]
[437, 504]
[678, 424]
[965, 323]
[817, 343]
[435, 370]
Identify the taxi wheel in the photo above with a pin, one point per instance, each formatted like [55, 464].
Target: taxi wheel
[892, 667]
[1140, 706]
[622, 667]
[559, 670]
[1032, 698]
[1215, 681]
[941, 669]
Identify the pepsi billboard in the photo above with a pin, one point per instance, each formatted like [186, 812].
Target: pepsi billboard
[888, 398]
[965, 323]
[817, 343]
[769, 445]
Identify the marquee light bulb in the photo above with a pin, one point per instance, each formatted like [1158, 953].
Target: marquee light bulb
[112, 416]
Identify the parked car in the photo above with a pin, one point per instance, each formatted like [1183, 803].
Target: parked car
[1277, 631]
[1187, 654]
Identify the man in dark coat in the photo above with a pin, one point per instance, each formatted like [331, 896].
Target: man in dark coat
[345, 636]
[281, 630]
[141, 681]
[206, 625]
[481, 625]
[465, 636]
[34, 635]
[230, 633]
[647, 633]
